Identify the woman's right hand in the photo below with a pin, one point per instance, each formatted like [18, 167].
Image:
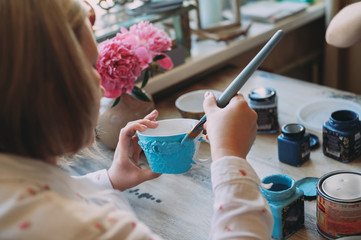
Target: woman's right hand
[231, 130]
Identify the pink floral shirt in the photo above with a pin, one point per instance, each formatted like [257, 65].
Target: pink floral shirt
[41, 201]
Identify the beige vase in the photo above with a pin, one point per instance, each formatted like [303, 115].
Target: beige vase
[113, 119]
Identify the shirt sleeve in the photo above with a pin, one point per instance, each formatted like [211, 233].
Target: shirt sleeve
[35, 212]
[99, 178]
[240, 211]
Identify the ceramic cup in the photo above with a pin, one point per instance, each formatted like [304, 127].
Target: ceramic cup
[163, 149]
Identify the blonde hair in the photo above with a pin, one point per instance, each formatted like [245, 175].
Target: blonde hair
[48, 97]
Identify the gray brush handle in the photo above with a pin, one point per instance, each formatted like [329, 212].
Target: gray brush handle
[247, 72]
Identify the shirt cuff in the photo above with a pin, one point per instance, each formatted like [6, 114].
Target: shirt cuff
[99, 178]
[232, 169]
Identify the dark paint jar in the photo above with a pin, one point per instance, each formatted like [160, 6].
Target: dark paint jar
[287, 205]
[264, 102]
[293, 144]
[341, 136]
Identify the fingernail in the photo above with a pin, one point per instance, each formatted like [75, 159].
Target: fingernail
[206, 94]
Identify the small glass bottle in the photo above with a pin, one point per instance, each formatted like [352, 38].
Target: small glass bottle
[293, 144]
[341, 136]
[264, 102]
[287, 205]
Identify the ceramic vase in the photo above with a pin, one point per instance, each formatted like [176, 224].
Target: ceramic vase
[113, 119]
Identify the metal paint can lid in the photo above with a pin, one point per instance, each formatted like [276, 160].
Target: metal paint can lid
[308, 186]
[343, 186]
[293, 130]
[314, 142]
[262, 95]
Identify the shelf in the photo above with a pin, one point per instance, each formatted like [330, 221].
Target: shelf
[209, 54]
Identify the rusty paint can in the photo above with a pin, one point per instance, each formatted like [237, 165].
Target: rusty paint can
[339, 204]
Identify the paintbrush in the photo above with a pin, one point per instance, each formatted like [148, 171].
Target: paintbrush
[238, 82]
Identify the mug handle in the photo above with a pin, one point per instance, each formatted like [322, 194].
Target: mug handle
[201, 138]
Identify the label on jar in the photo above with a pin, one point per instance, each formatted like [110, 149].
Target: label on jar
[305, 150]
[267, 120]
[333, 146]
[339, 147]
[293, 217]
[335, 219]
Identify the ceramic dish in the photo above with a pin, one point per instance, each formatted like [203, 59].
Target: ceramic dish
[314, 114]
[190, 104]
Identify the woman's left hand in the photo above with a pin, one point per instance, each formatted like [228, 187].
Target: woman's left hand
[124, 172]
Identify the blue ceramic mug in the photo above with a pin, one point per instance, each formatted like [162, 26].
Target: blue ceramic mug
[163, 149]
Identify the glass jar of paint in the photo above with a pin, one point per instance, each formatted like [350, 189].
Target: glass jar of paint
[341, 136]
[293, 144]
[264, 102]
[287, 205]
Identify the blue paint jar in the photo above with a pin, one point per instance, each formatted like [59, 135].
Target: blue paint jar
[293, 144]
[264, 102]
[341, 136]
[287, 205]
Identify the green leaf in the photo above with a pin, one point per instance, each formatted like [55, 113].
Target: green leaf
[116, 101]
[139, 94]
[154, 67]
[145, 78]
[158, 57]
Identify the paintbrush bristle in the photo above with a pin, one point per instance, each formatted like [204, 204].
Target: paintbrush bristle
[193, 133]
[197, 129]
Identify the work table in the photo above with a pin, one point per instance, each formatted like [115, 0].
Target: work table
[180, 206]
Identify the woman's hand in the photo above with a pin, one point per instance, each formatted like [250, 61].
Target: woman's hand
[124, 172]
[231, 130]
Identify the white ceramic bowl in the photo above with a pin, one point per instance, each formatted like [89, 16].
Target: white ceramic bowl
[190, 104]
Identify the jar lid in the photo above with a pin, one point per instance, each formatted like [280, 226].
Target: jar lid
[308, 186]
[344, 186]
[262, 94]
[293, 129]
[314, 142]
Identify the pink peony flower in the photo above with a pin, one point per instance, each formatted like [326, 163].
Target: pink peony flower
[119, 66]
[123, 58]
[152, 38]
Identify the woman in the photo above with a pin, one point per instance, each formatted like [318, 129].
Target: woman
[50, 94]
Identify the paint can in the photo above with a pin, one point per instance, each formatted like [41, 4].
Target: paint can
[264, 102]
[286, 202]
[339, 204]
[342, 136]
[293, 144]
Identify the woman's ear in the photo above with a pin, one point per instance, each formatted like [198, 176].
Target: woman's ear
[91, 13]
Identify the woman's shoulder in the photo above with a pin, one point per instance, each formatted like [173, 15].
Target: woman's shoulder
[36, 199]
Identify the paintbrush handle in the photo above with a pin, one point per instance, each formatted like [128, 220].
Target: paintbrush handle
[241, 79]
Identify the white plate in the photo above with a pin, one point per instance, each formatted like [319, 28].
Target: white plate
[314, 114]
[193, 101]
